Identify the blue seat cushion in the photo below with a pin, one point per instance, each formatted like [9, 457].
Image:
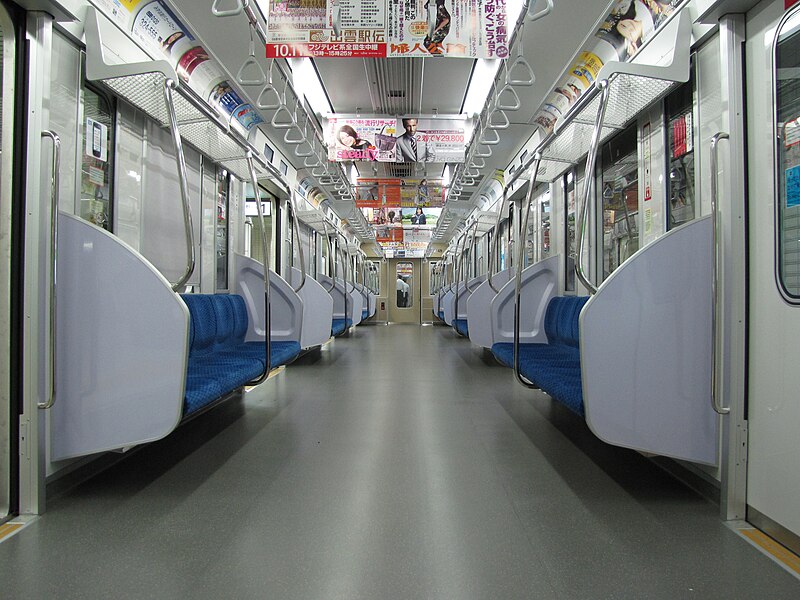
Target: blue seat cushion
[339, 325]
[280, 353]
[364, 315]
[461, 326]
[441, 315]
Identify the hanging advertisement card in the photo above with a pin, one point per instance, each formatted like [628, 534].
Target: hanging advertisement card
[468, 29]
[361, 139]
[96, 140]
[158, 29]
[632, 22]
[197, 70]
[332, 28]
[431, 140]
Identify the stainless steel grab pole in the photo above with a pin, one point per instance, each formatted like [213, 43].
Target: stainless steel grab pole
[169, 85]
[265, 253]
[715, 402]
[588, 181]
[55, 182]
[523, 228]
[297, 242]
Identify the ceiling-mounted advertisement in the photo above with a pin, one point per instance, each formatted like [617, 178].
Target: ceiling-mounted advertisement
[457, 28]
[361, 139]
[405, 193]
[629, 24]
[379, 28]
[332, 28]
[407, 139]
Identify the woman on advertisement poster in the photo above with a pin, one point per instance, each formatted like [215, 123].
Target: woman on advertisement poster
[356, 148]
[433, 42]
[629, 24]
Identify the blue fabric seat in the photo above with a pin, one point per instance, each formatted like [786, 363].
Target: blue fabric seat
[554, 367]
[339, 326]
[364, 315]
[441, 315]
[220, 361]
[461, 326]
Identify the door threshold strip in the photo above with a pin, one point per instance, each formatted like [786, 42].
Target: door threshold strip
[12, 528]
[775, 550]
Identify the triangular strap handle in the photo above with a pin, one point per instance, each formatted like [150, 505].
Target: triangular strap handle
[486, 154]
[525, 77]
[296, 139]
[303, 153]
[259, 77]
[319, 171]
[490, 141]
[312, 161]
[282, 122]
[535, 16]
[265, 101]
[498, 122]
[503, 104]
[478, 163]
[218, 9]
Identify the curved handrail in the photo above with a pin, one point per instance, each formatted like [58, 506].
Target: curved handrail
[342, 253]
[472, 250]
[523, 228]
[296, 239]
[55, 182]
[169, 85]
[591, 160]
[265, 249]
[715, 403]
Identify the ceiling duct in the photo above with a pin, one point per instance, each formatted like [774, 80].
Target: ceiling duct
[397, 85]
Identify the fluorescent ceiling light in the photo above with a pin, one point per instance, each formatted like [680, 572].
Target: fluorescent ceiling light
[480, 84]
[307, 83]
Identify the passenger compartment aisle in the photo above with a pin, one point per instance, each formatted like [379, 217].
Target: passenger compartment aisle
[396, 463]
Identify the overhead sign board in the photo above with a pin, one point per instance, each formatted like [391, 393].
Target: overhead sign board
[380, 28]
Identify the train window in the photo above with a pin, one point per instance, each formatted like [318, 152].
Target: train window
[251, 209]
[97, 160]
[679, 109]
[787, 94]
[404, 285]
[569, 184]
[620, 189]
[223, 184]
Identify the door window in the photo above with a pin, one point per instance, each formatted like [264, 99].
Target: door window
[620, 189]
[787, 94]
[404, 285]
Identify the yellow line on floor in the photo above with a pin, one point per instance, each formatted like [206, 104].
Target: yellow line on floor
[9, 528]
[777, 551]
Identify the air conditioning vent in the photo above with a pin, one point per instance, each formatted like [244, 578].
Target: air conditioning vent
[397, 94]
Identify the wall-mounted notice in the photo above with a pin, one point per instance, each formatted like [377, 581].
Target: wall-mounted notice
[467, 29]
[330, 28]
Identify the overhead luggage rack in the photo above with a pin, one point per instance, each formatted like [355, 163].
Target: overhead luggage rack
[142, 85]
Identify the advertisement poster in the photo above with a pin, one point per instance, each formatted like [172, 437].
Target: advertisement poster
[467, 29]
[361, 139]
[629, 24]
[402, 193]
[332, 28]
[386, 139]
[158, 30]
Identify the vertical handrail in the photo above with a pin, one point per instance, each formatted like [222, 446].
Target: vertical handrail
[472, 247]
[715, 403]
[523, 228]
[169, 85]
[55, 182]
[297, 242]
[495, 248]
[588, 182]
[265, 253]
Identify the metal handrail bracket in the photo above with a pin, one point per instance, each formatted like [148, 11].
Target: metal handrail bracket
[715, 402]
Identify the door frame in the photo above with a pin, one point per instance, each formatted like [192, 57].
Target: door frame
[408, 315]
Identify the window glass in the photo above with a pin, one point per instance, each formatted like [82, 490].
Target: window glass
[680, 153]
[569, 210]
[787, 61]
[222, 230]
[96, 159]
[404, 284]
[251, 210]
[620, 190]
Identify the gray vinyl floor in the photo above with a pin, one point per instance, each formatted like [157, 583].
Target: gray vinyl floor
[397, 464]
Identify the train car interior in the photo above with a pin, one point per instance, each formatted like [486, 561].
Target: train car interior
[433, 299]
